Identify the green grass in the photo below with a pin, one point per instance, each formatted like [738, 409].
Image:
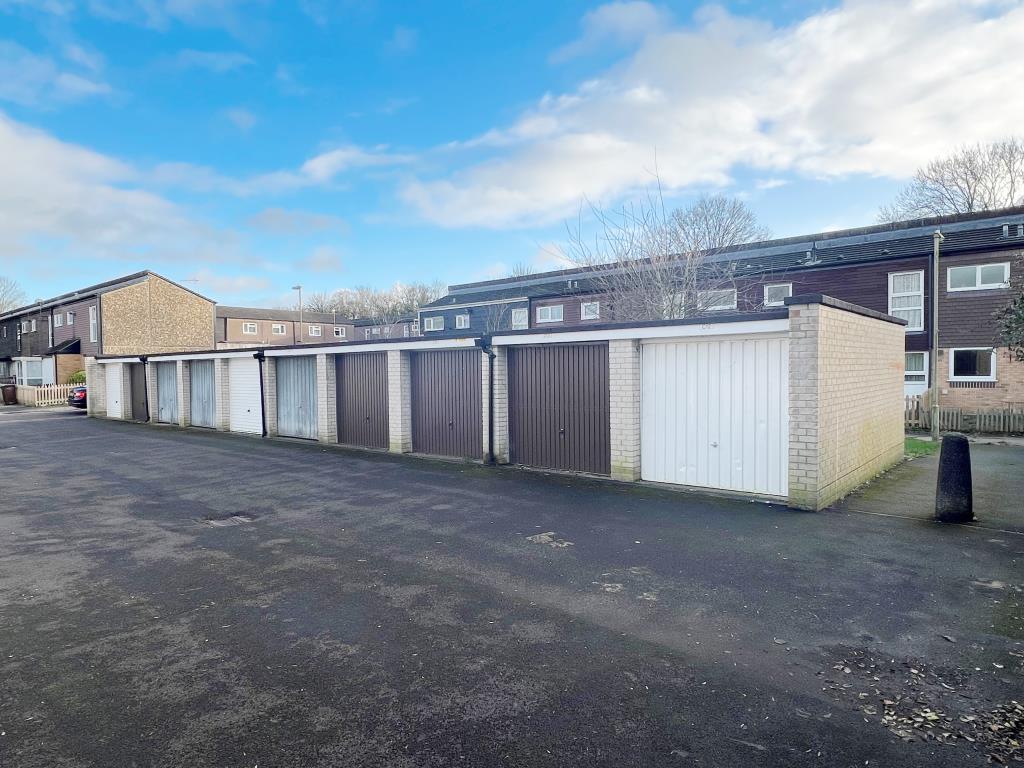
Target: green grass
[913, 447]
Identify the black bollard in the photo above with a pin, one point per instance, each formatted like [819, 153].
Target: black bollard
[954, 498]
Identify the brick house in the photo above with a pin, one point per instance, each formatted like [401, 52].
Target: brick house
[142, 313]
[887, 267]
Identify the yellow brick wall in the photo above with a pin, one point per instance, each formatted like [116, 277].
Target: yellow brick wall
[846, 408]
[1008, 389]
[155, 316]
[67, 365]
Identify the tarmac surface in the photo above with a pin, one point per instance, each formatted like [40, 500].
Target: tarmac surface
[187, 598]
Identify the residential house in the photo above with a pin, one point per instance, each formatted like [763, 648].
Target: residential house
[143, 313]
[404, 327]
[240, 327]
[886, 267]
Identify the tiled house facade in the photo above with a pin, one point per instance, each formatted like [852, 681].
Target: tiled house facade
[887, 268]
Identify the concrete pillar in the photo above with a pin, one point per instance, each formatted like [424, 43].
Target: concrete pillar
[399, 402]
[222, 394]
[125, 382]
[184, 393]
[501, 448]
[624, 391]
[151, 391]
[804, 446]
[95, 381]
[327, 399]
[270, 395]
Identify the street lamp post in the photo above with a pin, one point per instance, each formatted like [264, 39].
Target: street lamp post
[299, 289]
[937, 239]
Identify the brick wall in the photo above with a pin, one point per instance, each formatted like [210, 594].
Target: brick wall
[95, 381]
[222, 390]
[624, 391]
[155, 316]
[399, 402]
[270, 395]
[501, 447]
[846, 402]
[184, 376]
[327, 399]
[67, 365]
[485, 404]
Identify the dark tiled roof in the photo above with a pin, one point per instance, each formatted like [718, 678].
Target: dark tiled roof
[259, 313]
[963, 234]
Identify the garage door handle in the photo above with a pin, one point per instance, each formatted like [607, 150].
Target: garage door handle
[451, 425]
[561, 431]
[714, 445]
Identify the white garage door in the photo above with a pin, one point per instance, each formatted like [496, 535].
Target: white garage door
[716, 414]
[113, 382]
[245, 410]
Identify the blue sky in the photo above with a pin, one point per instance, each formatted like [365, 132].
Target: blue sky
[248, 146]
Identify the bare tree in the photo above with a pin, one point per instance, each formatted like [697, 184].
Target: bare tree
[973, 178]
[654, 264]
[521, 269]
[382, 306]
[319, 301]
[11, 295]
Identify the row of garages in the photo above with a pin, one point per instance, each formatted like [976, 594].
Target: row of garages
[709, 405]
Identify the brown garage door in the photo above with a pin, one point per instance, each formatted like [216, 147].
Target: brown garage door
[363, 399]
[446, 400]
[558, 407]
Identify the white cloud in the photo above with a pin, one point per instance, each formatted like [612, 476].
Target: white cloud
[85, 57]
[29, 79]
[324, 258]
[215, 285]
[615, 24]
[869, 87]
[284, 222]
[766, 184]
[161, 14]
[214, 61]
[402, 42]
[241, 118]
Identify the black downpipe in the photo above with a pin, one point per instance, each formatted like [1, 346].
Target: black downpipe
[485, 343]
[145, 386]
[263, 400]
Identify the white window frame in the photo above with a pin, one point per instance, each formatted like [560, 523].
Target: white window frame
[339, 332]
[547, 314]
[58, 320]
[587, 314]
[278, 329]
[788, 287]
[314, 330]
[920, 272]
[703, 295]
[922, 372]
[433, 323]
[521, 312]
[24, 326]
[70, 319]
[94, 324]
[416, 327]
[462, 321]
[32, 322]
[978, 285]
[952, 355]
[255, 328]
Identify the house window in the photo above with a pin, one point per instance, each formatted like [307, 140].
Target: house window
[24, 326]
[33, 325]
[94, 327]
[71, 318]
[915, 368]
[973, 364]
[375, 331]
[58, 320]
[906, 298]
[590, 310]
[718, 300]
[551, 314]
[387, 331]
[366, 333]
[520, 318]
[5, 331]
[405, 330]
[979, 277]
[416, 327]
[462, 321]
[314, 330]
[249, 328]
[776, 295]
[278, 329]
[435, 323]
[339, 332]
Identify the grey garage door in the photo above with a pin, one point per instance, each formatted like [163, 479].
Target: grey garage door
[202, 406]
[296, 397]
[446, 403]
[558, 407]
[167, 392]
[362, 382]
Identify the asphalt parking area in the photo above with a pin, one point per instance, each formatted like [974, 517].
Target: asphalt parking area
[172, 598]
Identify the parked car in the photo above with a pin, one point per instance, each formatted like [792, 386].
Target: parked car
[78, 397]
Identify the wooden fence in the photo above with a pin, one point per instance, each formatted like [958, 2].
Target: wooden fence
[917, 415]
[52, 394]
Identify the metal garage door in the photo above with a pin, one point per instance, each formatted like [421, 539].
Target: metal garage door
[558, 407]
[716, 414]
[296, 397]
[245, 396]
[137, 379]
[202, 401]
[167, 392]
[446, 403]
[363, 399]
[112, 378]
